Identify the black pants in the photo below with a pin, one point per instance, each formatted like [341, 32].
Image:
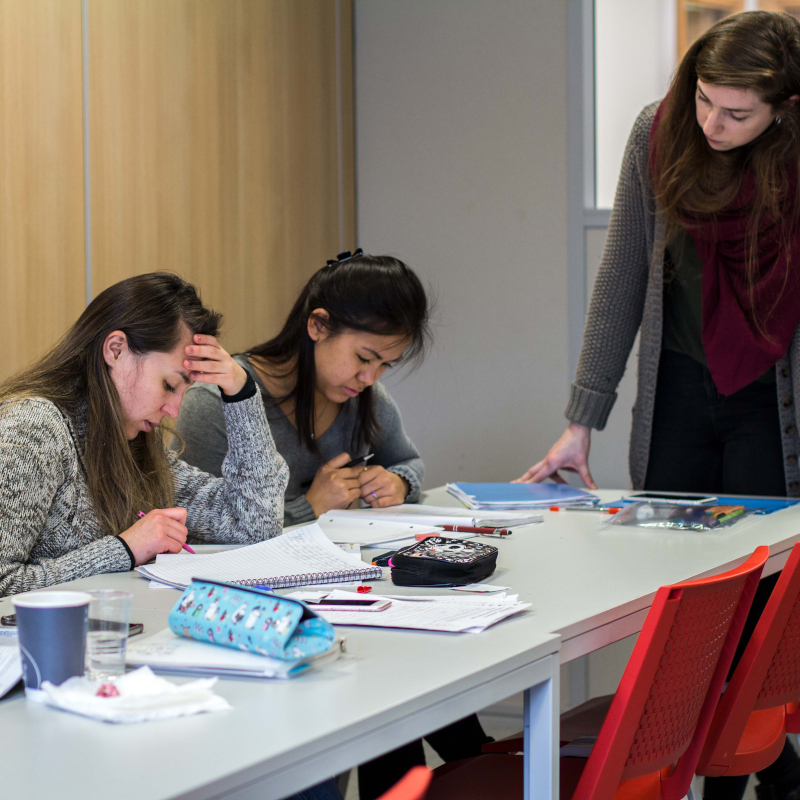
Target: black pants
[462, 739]
[703, 441]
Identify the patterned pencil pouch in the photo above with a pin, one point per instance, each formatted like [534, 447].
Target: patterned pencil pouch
[249, 619]
[441, 561]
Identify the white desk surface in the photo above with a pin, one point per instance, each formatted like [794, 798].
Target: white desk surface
[281, 736]
[593, 583]
[589, 582]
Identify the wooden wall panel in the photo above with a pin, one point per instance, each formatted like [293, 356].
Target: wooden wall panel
[213, 142]
[42, 273]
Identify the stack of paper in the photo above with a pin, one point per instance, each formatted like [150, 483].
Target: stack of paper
[519, 495]
[10, 666]
[199, 549]
[295, 558]
[426, 613]
[166, 652]
[413, 513]
[371, 532]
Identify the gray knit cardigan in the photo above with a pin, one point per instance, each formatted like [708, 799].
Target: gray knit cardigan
[49, 532]
[627, 296]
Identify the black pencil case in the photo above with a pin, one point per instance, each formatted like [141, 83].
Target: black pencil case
[439, 561]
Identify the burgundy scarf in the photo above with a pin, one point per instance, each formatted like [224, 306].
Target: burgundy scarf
[737, 352]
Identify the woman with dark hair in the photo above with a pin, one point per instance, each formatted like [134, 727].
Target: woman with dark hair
[82, 453]
[703, 259]
[318, 379]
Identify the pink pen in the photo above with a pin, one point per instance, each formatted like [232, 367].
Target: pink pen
[184, 546]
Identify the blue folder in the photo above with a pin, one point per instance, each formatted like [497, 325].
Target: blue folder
[522, 493]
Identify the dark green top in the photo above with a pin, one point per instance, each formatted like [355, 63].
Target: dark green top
[683, 301]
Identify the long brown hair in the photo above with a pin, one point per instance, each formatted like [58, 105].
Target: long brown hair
[153, 311]
[758, 50]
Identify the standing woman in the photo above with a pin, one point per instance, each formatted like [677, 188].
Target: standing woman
[703, 258]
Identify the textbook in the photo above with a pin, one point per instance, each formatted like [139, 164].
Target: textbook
[519, 495]
[295, 558]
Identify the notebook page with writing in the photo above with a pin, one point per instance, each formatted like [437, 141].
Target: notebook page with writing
[295, 558]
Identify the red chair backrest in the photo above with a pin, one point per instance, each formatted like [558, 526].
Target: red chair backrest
[413, 786]
[665, 701]
[768, 674]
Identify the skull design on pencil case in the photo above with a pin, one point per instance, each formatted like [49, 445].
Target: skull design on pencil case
[441, 561]
[250, 619]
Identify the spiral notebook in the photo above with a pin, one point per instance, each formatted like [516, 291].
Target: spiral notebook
[300, 557]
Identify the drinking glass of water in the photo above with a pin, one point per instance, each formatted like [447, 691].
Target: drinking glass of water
[109, 614]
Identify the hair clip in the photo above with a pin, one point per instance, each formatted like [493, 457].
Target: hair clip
[345, 256]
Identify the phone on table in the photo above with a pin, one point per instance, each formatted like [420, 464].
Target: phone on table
[367, 604]
[10, 621]
[675, 499]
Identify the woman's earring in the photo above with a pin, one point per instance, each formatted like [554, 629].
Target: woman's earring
[777, 120]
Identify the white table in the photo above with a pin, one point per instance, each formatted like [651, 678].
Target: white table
[282, 736]
[593, 583]
[588, 582]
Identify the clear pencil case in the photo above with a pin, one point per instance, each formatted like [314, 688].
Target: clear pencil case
[678, 517]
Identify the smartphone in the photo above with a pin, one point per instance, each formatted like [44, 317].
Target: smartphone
[10, 621]
[675, 499]
[367, 604]
[357, 462]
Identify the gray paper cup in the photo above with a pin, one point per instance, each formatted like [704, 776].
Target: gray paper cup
[52, 636]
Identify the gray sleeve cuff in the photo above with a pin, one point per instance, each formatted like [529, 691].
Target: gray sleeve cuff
[413, 481]
[298, 510]
[589, 408]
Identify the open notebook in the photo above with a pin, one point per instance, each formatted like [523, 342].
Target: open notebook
[295, 558]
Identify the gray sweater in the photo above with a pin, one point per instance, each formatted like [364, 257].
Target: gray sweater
[49, 532]
[628, 296]
[201, 426]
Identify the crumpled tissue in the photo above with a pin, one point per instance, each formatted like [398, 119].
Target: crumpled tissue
[143, 696]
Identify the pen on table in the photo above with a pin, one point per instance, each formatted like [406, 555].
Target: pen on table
[470, 529]
[184, 546]
[588, 508]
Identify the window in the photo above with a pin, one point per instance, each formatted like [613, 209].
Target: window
[637, 46]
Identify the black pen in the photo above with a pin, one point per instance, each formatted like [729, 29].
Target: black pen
[357, 462]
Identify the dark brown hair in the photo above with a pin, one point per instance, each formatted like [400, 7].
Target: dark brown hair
[758, 50]
[376, 294]
[153, 311]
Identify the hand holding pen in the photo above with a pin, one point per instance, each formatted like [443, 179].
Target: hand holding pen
[335, 485]
[162, 530]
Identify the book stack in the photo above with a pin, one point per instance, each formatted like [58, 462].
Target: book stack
[520, 496]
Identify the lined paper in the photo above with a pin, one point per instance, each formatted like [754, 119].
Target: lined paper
[295, 558]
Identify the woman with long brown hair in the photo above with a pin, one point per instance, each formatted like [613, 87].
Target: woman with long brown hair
[702, 259]
[86, 485]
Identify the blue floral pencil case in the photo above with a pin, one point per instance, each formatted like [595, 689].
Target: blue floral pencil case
[250, 619]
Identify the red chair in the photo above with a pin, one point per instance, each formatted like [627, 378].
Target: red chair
[749, 728]
[650, 739]
[411, 787]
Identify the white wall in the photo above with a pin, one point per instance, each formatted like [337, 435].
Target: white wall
[461, 172]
